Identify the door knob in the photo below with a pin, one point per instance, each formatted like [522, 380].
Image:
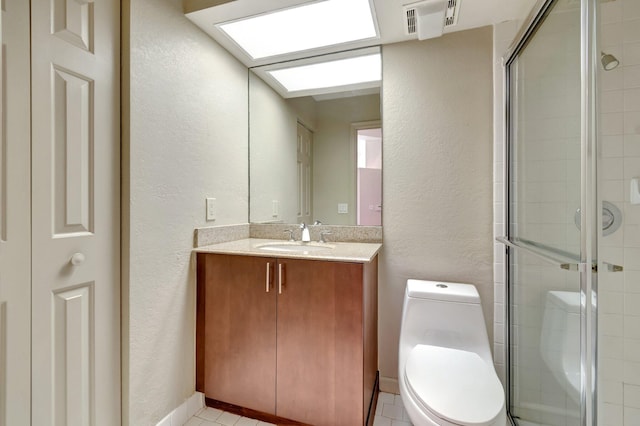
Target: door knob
[77, 259]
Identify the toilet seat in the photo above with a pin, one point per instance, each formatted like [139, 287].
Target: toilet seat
[457, 386]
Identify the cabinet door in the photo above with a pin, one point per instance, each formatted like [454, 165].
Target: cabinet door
[236, 332]
[320, 338]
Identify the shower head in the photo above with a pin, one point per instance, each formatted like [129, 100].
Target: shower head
[609, 61]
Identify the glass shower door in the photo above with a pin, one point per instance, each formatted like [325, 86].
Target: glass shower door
[544, 218]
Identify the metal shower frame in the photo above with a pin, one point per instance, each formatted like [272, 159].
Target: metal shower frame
[590, 214]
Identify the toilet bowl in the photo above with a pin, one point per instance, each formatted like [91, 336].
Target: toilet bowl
[446, 374]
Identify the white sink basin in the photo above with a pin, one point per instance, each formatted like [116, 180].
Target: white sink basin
[295, 247]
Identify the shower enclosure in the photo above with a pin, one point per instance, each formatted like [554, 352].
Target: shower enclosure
[572, 232]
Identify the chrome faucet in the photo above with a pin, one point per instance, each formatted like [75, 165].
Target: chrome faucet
[290, 234]
[305, 233]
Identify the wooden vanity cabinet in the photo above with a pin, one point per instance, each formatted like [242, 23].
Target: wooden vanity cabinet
[236, 331]
[305, 350]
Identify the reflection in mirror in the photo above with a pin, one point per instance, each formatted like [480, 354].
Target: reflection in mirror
[315, 158]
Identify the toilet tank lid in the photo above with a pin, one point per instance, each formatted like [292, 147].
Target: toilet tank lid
[443, 291]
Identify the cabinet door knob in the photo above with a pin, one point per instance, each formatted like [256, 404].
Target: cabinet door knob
[77, 259]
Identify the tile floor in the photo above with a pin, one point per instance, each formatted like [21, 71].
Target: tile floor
[390, 412]
[213, 417]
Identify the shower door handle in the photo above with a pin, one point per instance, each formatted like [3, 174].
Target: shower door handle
[610, 267]
[563, 262]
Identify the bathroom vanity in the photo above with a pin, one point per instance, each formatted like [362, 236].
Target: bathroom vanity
[288, 336]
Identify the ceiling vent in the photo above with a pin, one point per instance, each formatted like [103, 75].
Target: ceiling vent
[451, 16]
[411, 15]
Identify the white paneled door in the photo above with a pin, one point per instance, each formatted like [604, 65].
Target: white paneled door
[75, 212]
[15, 220]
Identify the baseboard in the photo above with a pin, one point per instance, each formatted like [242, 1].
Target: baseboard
[184, 412]
[389, 385]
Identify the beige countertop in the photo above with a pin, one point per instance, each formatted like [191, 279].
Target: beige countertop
[332, 251]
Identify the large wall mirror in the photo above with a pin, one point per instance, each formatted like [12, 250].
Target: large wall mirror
[315, 155]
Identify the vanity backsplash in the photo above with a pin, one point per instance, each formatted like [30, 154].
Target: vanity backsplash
[337, 233]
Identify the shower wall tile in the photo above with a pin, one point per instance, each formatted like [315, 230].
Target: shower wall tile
[613, 190]
[611, 302]
[612, 101]
[632, 282]
[632, 145]
[631, 9]
[631, 213]
[632, 259]
[631, 28]
[631, 75]
[632, 304]
[611, 34]
[631, 53]
[612, 415]
[611, 324]
[632, 352]
[611, 391]
[612, 123]
[611, 12]
[632, 372]
[612, 369]
[611, 169]
[632, 397]
[614, 345]
[631, 416]
[631, 327]
[612, 80]
[622, 247]
[632, 99]
[631, 170]
[632, 122]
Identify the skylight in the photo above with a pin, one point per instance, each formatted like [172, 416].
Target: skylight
[342, 72]
[311, 26]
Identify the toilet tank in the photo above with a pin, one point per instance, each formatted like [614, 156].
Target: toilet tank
[560, 339]
[443, 314]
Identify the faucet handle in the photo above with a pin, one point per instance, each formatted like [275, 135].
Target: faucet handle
[303, 225]
[290, 234]
[322, 235]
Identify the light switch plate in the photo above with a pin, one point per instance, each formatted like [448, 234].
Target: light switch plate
[211, 209]
[343, 208]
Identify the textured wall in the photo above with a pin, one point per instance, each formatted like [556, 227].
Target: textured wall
[437, 178]
[187, 139]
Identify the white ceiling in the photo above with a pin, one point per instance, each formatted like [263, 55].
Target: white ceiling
[389, 13]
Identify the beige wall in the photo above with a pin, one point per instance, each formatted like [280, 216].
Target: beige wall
[437, 177]
[185, 138]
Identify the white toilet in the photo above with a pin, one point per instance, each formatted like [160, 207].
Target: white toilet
[446, 372]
